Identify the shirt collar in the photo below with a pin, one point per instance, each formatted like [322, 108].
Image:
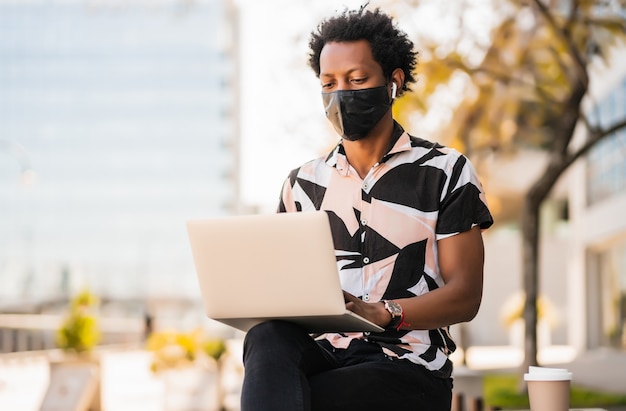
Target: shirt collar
[401, 142]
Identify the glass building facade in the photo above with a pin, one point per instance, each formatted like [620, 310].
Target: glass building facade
[606, 166]
[118, 122]
[606, 185]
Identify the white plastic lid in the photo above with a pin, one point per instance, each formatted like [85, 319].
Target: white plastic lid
[533, 370]
[547, 374]
[548, 377]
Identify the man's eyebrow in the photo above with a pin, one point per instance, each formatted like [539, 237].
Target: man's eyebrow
[348, 72]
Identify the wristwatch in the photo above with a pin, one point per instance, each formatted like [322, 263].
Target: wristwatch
[397, 314]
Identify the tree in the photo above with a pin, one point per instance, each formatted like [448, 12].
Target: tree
[526, 87]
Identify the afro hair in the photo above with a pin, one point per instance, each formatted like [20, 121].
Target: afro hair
[391, 47]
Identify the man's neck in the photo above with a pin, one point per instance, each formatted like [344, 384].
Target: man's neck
[365, 153]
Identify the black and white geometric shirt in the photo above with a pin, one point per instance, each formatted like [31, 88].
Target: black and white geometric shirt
[385, 229]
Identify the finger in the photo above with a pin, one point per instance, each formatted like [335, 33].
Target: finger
[348, 297]
[350, 306]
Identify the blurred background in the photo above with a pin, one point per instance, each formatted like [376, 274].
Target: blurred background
[121, 119]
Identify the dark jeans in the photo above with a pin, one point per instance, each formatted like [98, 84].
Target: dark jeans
[285, 369]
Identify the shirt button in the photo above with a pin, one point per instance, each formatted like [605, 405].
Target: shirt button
[364, 222]
[366, 260]
[365, 186]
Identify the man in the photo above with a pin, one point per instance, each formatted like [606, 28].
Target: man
[406, 217]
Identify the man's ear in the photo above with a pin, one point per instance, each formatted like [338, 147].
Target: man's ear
[397, 77]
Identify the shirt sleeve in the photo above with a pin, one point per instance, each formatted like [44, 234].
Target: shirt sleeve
[287, 202]
[463, 203]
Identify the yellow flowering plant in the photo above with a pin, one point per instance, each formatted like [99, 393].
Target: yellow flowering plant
[173, 349]
[79, 332]
[513, 310]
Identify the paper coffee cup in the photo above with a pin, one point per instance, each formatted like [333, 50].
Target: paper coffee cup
[548, 388]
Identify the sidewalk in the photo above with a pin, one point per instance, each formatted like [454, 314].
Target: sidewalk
[128, 383]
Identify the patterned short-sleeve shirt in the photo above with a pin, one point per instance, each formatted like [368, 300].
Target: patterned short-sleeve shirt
[385, 229]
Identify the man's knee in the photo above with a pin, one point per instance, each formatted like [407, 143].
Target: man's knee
[273, 329]
[273, 335]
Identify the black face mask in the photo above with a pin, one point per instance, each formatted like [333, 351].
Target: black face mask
[354, 113]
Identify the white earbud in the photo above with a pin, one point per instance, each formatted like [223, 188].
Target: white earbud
[394, 89]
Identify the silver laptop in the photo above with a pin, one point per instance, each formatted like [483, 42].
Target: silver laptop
[255, 268]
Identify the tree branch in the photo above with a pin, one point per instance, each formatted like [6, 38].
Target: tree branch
[608, 23]
[560, 162]
[595, 135]
[580, 63]
[573, 11]
[590, 129]
[505, 78]
[496, 75]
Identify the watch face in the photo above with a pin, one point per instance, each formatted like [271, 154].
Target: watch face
[394, 308]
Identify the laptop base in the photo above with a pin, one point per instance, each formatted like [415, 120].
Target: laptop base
[347, 322]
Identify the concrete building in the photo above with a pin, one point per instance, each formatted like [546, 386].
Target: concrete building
[597, 272]
[123, 119]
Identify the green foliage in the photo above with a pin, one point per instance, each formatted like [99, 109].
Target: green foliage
[214, 348]
[501, 390]
[173, 349]
[79, 331]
